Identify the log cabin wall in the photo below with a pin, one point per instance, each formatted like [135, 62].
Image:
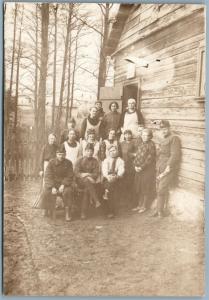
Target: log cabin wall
[170, 38]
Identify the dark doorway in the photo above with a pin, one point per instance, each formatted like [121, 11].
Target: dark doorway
[130, 91]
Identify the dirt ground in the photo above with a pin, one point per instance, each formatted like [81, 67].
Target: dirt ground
[131, 255]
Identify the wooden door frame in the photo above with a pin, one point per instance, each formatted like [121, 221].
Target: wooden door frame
[134, 81]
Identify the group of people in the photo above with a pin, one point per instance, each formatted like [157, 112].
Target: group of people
[112, 156]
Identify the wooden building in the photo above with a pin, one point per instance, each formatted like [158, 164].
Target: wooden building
[159, 59]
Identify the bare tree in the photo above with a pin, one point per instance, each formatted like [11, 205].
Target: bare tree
[43, 75]
[18, 69]
[55, 9]
[103, 33]
[36, 73]
[74, 70]
[9, 96]
[105, 9]
[59, 114]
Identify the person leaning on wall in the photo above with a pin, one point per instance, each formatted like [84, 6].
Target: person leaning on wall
[167, 166]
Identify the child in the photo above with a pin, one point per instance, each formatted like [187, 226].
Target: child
[113, 169]
[145, 164]
[87, 171]
[107, 143]
[91, 139]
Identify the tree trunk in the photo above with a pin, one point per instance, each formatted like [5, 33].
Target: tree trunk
[43, 75]
[55, 65]
[17, 75]
[36, 79]
[8, 100]
[69, 81]
[102, 59]
[59, 114]
[73, 75]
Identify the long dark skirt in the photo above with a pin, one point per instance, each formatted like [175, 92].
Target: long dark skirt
[145, 185]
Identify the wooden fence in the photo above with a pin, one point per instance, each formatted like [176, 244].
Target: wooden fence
[20, 157]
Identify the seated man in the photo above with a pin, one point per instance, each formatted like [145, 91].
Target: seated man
[87, 172]
[58, 181]
[113, 169]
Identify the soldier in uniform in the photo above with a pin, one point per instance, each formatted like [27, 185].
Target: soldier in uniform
[167, 165]
[58, 181]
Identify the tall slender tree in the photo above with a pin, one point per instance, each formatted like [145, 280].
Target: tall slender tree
[43, 75]
[55, 9]
[36, 73]
[74, 70]
[9, 96]
[18, 69]
[59, 114]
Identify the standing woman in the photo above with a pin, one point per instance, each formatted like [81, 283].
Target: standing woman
[92, 122]
[72, 147]
[145, 178]
[112, 119]
[48, 152]
[131, 118]
[128, 151]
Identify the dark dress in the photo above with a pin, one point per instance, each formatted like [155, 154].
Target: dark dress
[169, 155]
[111, 120]
[48, 152]
[127, 150]
[144, 181]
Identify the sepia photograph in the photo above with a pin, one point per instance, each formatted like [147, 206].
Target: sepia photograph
[104, 149]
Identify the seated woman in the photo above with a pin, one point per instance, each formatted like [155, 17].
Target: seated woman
[72, 147]
[113, 169]
[145, 164]
[107, 143]
[87, 172]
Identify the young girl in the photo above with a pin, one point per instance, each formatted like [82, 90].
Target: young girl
[112, 170]
[145, 164]
[107, 143]
[91, 139]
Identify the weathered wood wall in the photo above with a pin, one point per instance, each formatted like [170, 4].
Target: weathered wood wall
[172, 34]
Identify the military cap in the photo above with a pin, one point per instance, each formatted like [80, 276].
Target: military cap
[164, 123]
